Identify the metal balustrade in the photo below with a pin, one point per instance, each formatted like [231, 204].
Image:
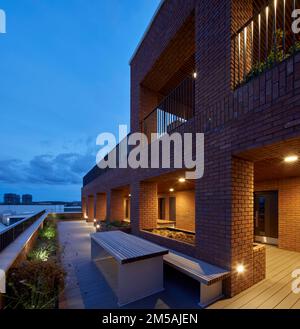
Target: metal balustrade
[11, 233]
[265, 40]
[176, 109]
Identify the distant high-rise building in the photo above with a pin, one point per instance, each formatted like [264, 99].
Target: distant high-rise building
[26, 199]
[11, 198]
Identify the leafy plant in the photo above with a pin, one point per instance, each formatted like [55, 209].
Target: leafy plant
[49, 231]
[40, 254]
[275, 56]
[294, 48]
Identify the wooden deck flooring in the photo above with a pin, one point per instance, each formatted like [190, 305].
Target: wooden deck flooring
[275, 291]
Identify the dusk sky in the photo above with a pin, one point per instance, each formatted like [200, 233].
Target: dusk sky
[64, 78]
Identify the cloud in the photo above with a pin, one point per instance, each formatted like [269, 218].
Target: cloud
[46, 169]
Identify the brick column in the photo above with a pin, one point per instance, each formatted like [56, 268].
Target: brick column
[148, 205]
[134, 207]
[101, 206]
[242, 235]
[84, 206]
[224, 217]
[115, 205]
[91, 208]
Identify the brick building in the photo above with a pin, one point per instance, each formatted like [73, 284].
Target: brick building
[229, 69]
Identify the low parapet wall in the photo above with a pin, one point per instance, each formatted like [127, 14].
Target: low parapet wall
[20, 247]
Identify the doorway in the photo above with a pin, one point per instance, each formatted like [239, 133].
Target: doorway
[266, 217]
[172, 209]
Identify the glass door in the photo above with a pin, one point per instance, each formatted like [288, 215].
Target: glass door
[266, 217]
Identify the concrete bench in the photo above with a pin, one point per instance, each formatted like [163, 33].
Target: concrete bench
[209, 276]
[139, 264]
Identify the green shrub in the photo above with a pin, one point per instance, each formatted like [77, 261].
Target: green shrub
[49, 231]
[40, 254]
[34, 285]
[43, 251]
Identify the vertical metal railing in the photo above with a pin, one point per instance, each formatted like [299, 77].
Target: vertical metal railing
[266, 39]
[176, 108]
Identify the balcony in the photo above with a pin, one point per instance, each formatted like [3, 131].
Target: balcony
[264, 41]
[175, 109]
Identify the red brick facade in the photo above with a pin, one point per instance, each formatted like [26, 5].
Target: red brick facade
[262, 112]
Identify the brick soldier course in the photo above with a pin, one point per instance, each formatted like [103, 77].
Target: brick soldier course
[245, 128]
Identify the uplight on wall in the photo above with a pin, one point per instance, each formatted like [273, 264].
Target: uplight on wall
[291, 158]
[240, 269]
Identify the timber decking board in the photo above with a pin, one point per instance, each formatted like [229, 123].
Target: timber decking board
[273, 292]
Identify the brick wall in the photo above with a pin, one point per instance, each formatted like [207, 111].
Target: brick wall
[84, 206]
[148, 205]
[91, 208]
[259, 263]
[242, 224]
[101, 206]
[185, 210]
[289, 210]
[115, 205]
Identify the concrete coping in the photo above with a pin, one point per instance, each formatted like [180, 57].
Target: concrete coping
[12, 251]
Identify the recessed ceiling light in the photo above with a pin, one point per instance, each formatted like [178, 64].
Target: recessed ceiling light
[291, 158]
[171, 190]
[181, 180]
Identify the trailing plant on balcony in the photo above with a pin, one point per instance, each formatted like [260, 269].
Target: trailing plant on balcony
[275, 56]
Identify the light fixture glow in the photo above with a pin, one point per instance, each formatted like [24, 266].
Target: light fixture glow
[195, 75]
[171, 190]
[98, 226]
[240, 268]
[129, 195]
[95, 220]
[181, 180]
[291, 158]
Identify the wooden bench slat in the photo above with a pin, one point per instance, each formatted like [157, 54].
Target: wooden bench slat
[127, 248]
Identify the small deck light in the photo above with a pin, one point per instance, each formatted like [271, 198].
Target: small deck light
[171, 190]
[95, 220]
[291, 158]
[129, 195]
[181, 180]
[240, 269]
[195, 75]
[98, 226]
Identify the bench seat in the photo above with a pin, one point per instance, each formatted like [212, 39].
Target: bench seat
[209, 276]
[139, 263]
